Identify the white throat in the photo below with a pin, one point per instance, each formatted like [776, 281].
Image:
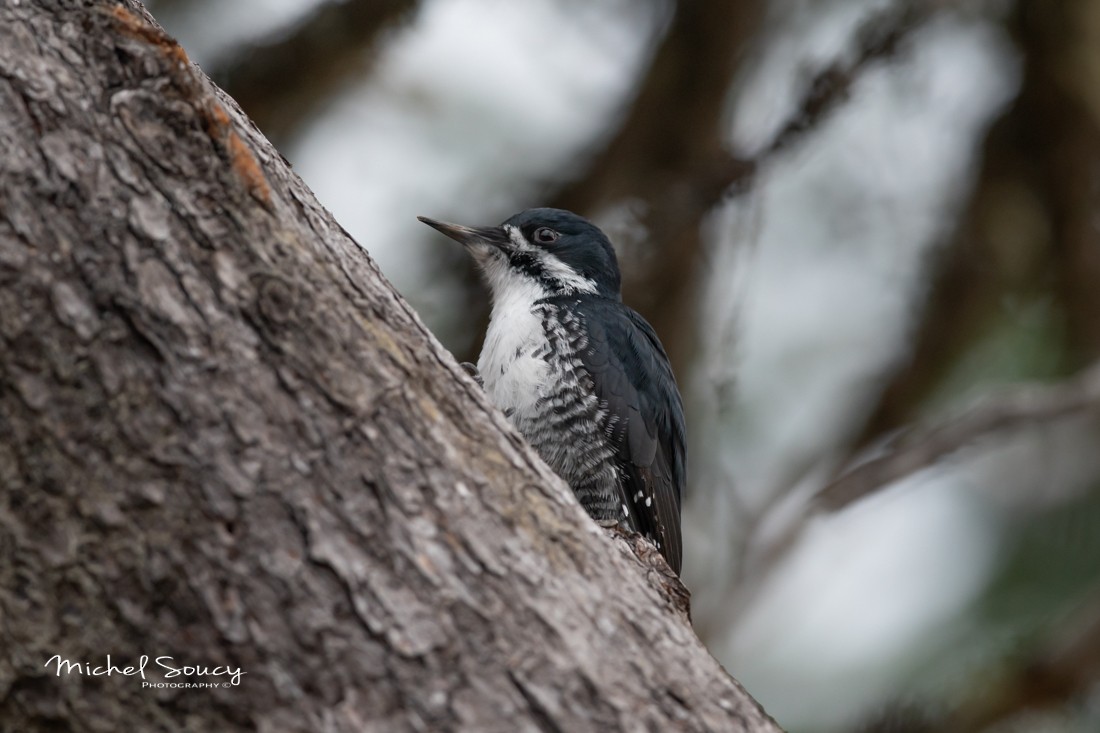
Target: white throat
[511, 364]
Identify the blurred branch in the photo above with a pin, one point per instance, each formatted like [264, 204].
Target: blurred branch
[879, 38]
[1069, 667]
[1030, 226]
[668, 161]
[672, 169]
[1054, 672]
[1023, 407]
[281, 82]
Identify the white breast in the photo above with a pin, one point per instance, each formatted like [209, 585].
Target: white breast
[511, 364]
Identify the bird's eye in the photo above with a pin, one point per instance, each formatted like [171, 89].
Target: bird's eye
[545, 235]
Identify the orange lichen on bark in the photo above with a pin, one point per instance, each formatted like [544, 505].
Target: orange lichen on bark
[216, 120]
[136, 27]
[241, 158]
[248, 168]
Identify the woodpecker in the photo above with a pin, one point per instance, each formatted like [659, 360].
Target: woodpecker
[580, 375]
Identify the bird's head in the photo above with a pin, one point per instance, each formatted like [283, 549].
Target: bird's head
[552, 250]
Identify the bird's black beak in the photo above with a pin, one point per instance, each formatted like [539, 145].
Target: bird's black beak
[469, 236]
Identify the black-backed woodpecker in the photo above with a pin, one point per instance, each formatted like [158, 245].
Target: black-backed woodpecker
[581, 376]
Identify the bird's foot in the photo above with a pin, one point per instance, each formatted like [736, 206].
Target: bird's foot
[471, 369]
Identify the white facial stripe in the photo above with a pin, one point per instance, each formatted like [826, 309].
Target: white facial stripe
[554, 267]
[517, 238]
[565, 274]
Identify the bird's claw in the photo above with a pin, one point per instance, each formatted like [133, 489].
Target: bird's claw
[471, 369]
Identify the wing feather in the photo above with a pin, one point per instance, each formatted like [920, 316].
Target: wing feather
[633, 380]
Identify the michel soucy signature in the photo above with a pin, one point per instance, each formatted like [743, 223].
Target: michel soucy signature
[229, 677]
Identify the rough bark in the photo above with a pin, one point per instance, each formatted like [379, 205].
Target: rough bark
[227, 440]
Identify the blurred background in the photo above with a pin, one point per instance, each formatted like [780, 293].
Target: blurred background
[868, 232]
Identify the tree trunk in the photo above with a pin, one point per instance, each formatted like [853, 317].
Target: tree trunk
[226, 440]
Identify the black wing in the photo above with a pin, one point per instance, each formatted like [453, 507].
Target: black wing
[633, 378]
